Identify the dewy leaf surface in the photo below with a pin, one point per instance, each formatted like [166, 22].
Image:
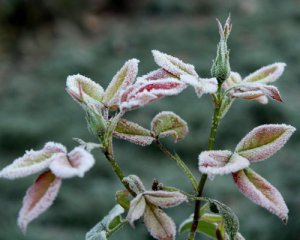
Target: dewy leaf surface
[159, 224]
[39, 197]
[264, 141]
[261, 192]
[169, 124]
[132, 132]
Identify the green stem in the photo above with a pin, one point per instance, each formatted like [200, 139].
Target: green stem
[180, 164]
[212, 137]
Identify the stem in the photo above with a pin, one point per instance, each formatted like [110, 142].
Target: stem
[180, 164]
[212, 137]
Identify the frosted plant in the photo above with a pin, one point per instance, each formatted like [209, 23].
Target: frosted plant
[105, 114]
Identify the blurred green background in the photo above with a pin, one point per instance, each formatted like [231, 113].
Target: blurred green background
[42, 42]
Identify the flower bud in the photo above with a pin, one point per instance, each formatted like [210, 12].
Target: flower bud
[96, 123]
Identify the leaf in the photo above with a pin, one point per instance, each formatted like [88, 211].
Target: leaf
[137, 209]
[122, 198]
[261, 192]
[133, 132]
[124, 78]
[33, 161]
[155, 75]
[272, 92]
[230, 219]
[264, 141]
[164, 199]
[144, 92]
[211, 218]
[233, 80]
[109, 222]
[221, 162]
[76, 163]
[135, 183]
[39, 197]
[201, 85]
[169, 124]
[159, 224]
[172, 64]
[85, 91]
[266, 74]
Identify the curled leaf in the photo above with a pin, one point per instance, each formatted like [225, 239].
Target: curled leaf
[201, 85]
[261, 192]
[135, 183]
[266, 74]
[169, 124]
[144, 92]
[75, 163]
[133, 132]
[164, 199]
[156, 75]
[172, 64]
[39, 197]
[264, 141]
[33, 161]
[137, 209]
[124, 78]
[85, 91]
[233, 80]
[221, 162]
[159, 224]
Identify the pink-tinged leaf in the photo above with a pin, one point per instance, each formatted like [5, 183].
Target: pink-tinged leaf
[164, 199]
[76, 163]
[124, 78]
[172, 64]
[133, 132]
[134, 183]
[33, 161]
[39, 197]
[137, 209]
[169, 124]
[233, 80]
[262, 99]
[201, 85]
[261, 192]
[248, 95]
[264, 141]
[272, 92]
[221, 162]
[266, 74]
[155, 75]
[159, 224]
[85, 91]
[144, 92]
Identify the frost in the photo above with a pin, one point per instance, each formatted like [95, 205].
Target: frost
[76, 163]
[33, 161]
[221, 162]
[164, 199]
[264, 141]
[155, 75]
[261, 192]
[135, 183]
[172, 64]
[137, 208]
[39, 197]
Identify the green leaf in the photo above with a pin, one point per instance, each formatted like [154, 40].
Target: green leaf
[169, 124]
[230, 219]
[111, 221]
[122, 198]
[133, 132]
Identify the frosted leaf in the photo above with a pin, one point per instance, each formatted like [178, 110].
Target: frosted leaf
[201, 85]
[262, 99]
[33, 161]
[135, 183]
[172, 64]
[266, 74]
[133, 132]
[261, 192]
[234, 79]
[137, 208]
[76, 163]
[124, 78]
[159, 224]
[221, 162]
[39, 197]
[144, 92]
[164, 199]
[272, 92]
[169, 124]
[85, 91]
[264, 141]
[155, 75]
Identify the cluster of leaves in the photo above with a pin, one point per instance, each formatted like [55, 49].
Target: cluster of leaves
[105, 110]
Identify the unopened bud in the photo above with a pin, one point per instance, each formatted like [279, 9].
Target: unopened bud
[96, 123]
